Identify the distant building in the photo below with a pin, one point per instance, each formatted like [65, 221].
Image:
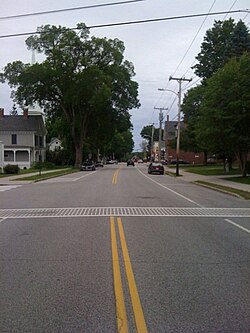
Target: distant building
[170, 132]
[55, 144]
[23, 138]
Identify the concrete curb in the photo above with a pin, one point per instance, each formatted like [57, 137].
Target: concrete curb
[218, 189]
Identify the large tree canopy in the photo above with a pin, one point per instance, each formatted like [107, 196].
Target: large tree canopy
[191, 110]
[83, 80]
[224, 118]
[225, 40]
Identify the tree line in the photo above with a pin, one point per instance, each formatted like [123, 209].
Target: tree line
[217, 111]
[85, 87]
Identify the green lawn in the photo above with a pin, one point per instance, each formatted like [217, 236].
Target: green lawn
[43, 175]
[210, 170]
[240, 180]
[32, 170]
[243, 194]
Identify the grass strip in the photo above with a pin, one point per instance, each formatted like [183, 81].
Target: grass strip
[225, 189]
[47, 175]
[170, 173]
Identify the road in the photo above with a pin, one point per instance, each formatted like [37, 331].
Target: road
[118, 250]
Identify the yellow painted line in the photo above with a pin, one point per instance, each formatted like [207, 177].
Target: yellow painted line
[121, 315]
[136, 303]
[114, 179]
[115, 176]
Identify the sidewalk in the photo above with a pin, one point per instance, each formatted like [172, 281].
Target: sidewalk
[219, 180]
[13, 180]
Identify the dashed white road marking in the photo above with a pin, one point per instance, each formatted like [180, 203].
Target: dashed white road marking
[237, 225]
[67, 179]
[170, 190]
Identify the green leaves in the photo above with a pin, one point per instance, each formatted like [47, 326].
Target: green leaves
[224, 41]
[82, 80]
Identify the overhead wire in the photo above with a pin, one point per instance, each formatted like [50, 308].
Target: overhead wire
[68, 9]
[189, 47]
[135, 22]
[190, 84]
[229, 9]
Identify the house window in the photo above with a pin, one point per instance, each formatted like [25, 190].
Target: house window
[13, 139]
[36, 140]
[41, 141]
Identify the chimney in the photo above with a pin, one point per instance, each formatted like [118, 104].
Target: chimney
[25, 113]
[1, 113]
[167, 117]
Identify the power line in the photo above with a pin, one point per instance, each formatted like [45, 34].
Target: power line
[197, 33]
[203, 22]
[68, 9]
[229, 9]
[138, 22]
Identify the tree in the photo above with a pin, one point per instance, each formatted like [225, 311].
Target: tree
[13, 111]
[121, 144]
[82, 80]
[224, 41]
[225, 112]
[240, 40]
[146, 133]
[191, 109]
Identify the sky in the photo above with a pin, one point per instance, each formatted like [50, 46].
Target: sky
[157, 50]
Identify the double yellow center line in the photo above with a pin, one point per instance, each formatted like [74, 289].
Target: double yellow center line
[115, 177]
[121, 314]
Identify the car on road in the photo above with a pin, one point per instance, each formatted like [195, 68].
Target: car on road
[130, 162]
[156, 167]
[88, 166]
[99, 164]
[180, 162]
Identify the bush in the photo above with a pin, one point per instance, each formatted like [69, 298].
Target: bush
[61, 157]
[11, 169]
[43, 165]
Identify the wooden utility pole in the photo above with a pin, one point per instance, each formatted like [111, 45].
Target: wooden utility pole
[160, 123]
[179, 121]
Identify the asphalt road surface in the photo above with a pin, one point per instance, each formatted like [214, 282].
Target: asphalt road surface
[118, 250]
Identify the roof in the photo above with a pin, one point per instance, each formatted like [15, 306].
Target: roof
[19, 123]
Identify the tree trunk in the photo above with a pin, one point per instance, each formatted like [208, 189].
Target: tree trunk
[78, 159]
[242, 156]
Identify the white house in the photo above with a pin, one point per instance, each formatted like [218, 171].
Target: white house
[55, 144]
[23, 138]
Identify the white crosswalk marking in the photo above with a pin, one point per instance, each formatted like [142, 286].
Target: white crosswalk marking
[124, 211]
[4, 188]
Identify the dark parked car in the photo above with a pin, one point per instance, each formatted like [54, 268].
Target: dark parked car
[130, 162]
[99, 164]
[88, 166]
[180, 162]
[156, 167]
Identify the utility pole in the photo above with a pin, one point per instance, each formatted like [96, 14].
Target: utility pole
[160, 121]
[152, 143]
[179, 80]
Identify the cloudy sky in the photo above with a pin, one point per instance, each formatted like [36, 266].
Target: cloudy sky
[157, 49]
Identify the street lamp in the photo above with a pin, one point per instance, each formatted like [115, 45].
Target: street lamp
[178, 128]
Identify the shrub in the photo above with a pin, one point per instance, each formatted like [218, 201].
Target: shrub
[43, 165]
[11, 169]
